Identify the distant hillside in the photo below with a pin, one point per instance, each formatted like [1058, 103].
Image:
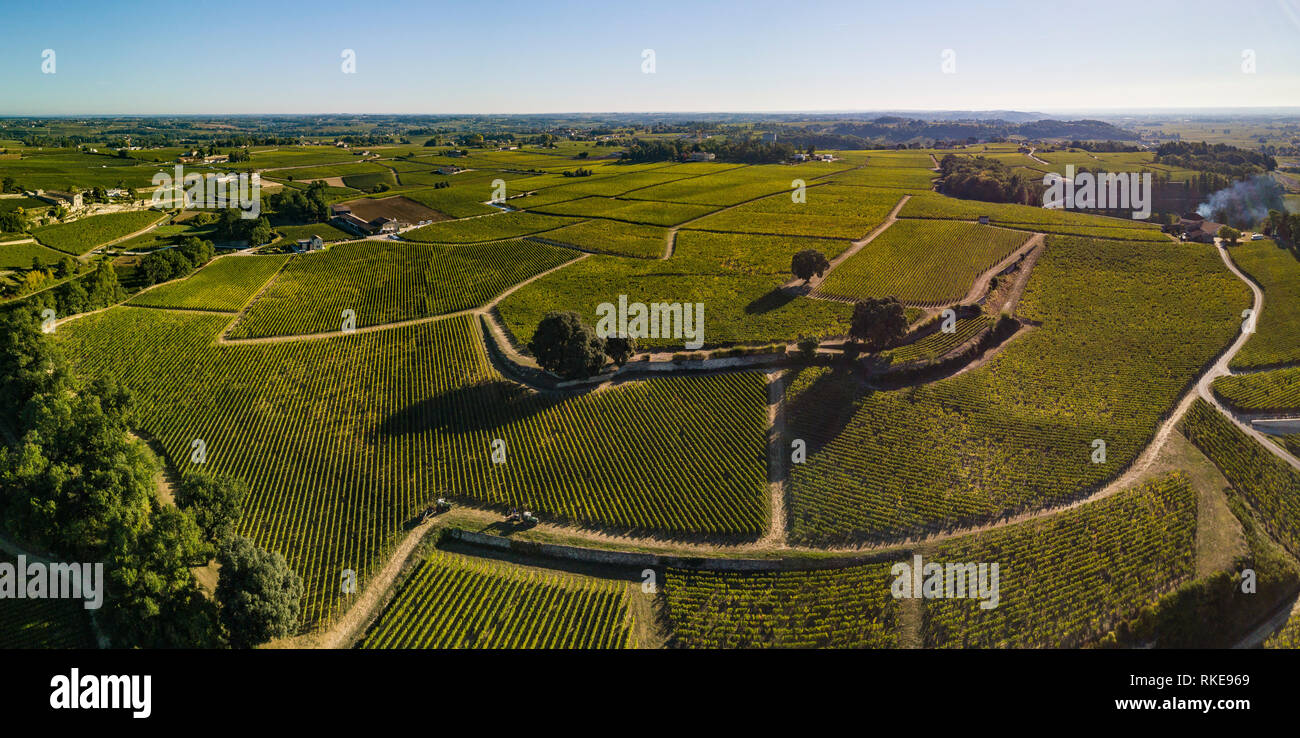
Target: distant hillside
[893, 130]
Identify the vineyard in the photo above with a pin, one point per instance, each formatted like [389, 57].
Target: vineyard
[1124, 330]
[849, 607]
[225, 284]
[84, 235]
[486, 228]
[23, 255]
[614, 237]
[452, 601]
[736, 278]
[926, 263]
[343, 440]
[929, 205]
[939, 343]
[1275, 391]
[828, 211]
[1270, 486]
[1277, 332]
[384, 282]
[1067, 579]
[632, 211]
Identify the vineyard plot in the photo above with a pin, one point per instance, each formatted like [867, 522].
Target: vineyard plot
[922, 262]
[1124, 328]
[343, 440]
[452, 601]
[389, 282]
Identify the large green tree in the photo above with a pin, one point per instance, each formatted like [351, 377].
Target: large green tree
[564, 344]
[878, 322]
[260, 596]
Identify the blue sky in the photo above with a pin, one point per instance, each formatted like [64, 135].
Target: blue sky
[540, 57]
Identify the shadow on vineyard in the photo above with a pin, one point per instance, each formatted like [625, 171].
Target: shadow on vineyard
[821, 411]
[778, 298]
[477, 407]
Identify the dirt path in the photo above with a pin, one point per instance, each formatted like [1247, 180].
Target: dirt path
[981, 285]
[344, 631]
[1035, 158]
[853, 248]
[1272, 624]
[1220, 368]
[776, 533]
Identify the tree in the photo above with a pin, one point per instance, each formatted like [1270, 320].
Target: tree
[1229, 235]
[809, 263]
[153, 599]
[67, 267]
[619, 349]
[878, 322]
[216, 501]
[260, 596]
[808, 346]
[196, 250]
[260, 233]
[563, 344]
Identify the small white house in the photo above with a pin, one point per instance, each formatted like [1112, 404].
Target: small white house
[701, 156]
[315, 243]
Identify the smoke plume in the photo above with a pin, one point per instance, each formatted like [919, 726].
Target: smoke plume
[1245, 203]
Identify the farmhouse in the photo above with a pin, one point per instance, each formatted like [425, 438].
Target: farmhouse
[338, 210]
[1195, 227]
[315, 243]
[69, 200]
[700, 156]
[361, 227]
[452, 169]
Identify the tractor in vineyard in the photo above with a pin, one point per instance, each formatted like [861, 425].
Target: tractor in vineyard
[523, 517]
[441, 506]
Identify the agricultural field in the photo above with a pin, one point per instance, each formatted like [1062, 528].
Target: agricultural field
[936, 206]
[1265, 482]
[1275, 391]
[735, 277]
[289, 234]
[925, 263]
[1065, 580]
[845, 607]
[1018, 433]
[487, 228]
[344, 440]
[614, 237]
[386, 282]
[939, 342]
[225, 284]
[396, 207]
[1277, 332]
[53, 169]
[24, 255]
[735, 186]
[645, 212]
[452, 601]
[828, 211]
[86, 234]
[49, 623]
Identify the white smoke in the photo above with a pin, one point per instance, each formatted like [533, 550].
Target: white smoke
[1245, 203]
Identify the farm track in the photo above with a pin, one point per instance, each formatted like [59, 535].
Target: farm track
[853, 248]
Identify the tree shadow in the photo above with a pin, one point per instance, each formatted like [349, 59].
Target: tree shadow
[477, 407]
[779, 297]
[820, 412]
